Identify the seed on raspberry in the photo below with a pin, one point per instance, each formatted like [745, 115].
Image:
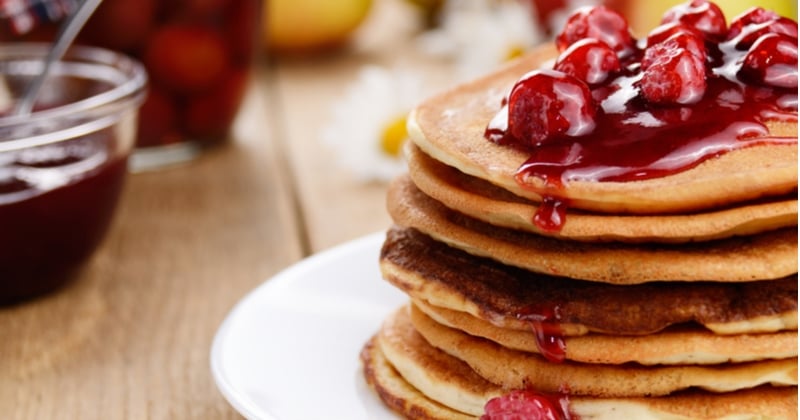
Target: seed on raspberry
[702, 15]
[746, 28]
[772, 61]
[598, 22]
[548, 104]
[590, 60]
[673, 75]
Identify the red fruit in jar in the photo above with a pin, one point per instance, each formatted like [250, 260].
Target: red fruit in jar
[158, 120]
[598, 22]
[208, 116]
[590, 60]
[672, 74]
[702, 15]
[547, 104]
[771, 60]
[755, 22]
[244, 33]
[120, 24]
[526, 405]
[186, 57]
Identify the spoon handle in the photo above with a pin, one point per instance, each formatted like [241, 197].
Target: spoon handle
[67, 33]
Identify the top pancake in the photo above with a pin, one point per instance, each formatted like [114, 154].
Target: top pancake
[450, 126]
[482, 200]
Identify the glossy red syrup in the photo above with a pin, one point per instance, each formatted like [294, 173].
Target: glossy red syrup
[55, 205]
[545, 321]
[528, 405]
[634, 139]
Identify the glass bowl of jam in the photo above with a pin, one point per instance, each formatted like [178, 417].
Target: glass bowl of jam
[63, 166]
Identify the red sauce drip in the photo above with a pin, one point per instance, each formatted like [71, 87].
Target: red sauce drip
[528, 405]
[635, 140]
[545, 321]
[48, 231]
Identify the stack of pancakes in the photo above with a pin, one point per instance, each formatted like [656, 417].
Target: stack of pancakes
[671, 297]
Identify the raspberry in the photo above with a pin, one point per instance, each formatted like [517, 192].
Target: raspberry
[771, 60]
[702, 15]
[673, 74]
[590, 60]
[678, 41]
[526, 405]
[598, 22]
[547, 104]
[755, 22]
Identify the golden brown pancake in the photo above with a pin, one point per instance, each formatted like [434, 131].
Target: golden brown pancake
[675, 346]
[465, 392]
[766, 256]
[484, 201]
[450, 278]
[450, 128]
[513, 369]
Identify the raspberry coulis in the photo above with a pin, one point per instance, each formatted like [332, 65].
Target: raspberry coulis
[635, 138]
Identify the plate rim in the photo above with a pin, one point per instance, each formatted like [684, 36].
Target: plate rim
[240, 403]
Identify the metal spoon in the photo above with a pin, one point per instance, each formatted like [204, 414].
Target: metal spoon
[66, 34]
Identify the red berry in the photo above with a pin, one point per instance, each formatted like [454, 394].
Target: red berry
[158, 120]
[680, 40]
[702, 15]
[673, 74]
[662, 32]
[208, 116]
[771, 60]
[547, 104]
[526, 405]
[755, 22]
[590, 60]
[186, 57]
[598, 22]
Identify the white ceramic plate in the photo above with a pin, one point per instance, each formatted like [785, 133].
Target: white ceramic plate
[289, 350]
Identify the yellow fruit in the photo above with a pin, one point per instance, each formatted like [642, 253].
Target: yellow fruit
[300, 26]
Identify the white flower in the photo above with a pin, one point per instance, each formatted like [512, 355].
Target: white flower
[481, 34]
[368, 124]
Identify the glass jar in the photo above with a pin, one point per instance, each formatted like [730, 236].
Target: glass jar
[198, 53]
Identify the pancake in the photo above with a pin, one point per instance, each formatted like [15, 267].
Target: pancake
[450, 278]
[486, 202]
[765, 256]
[450, 128]
[513, 369]
[432, 370]
[671, 347]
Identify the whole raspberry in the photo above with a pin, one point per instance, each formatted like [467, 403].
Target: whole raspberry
[526, 405]
[702, 15]
[672, 74]
[590, 60]
[755, 22]
[598, 22]
[548, 104]
[772, 61]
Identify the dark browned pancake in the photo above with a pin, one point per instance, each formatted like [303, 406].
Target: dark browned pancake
[765, 256]
[450, 278]
[417, 373]
[450, 127]
[683, 345]
[484, 201]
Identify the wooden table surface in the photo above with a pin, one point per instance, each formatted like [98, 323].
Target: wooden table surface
[130, 339]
